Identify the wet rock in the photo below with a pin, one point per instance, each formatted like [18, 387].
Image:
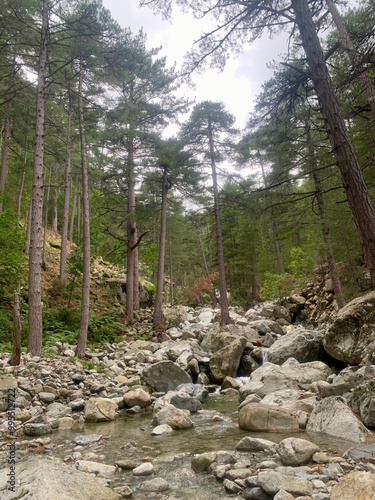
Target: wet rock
[137, 397]
[255, 444]
[226, 361]
[197, 391]
[174, 417]
[87, 439]
[186, 402]
[201, 463]
[161, 429]
[165, 376]
[52, 479]
[231, 486]
[255, 494]
[295, 451]
[36, 429]
[155, 485]
[145, 469]
[123, 491]
[266, 418]
[355, 486]
[303, 345]
[126, 464]
[100, 410]
[96, 468]
[333, 417]
[272, 481]
[365, 450]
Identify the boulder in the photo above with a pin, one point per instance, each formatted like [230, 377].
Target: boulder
[137, 397]
[303, 345]
[295, 451]
[353, 330]
[165, 376]
[58, 410]
[255, 444]
[201, 463]
[145, 469]
[174, 417]
[155, 485]
[226, 361]
[266, 418]
[52, 479]
[333, 417]
[355, 486]
[100, 410]
[362, 402]
[96, 468]
[291, 375]
[8, 392]
[197, 391]
[186, 402]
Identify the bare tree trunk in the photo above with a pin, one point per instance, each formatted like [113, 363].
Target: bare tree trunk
[85, 303]
[224, 306]
[131, 230]
[313, 167]
[72, 217]
[54, 205]
[35, 254]
[20, 194]
[28, 219]
[78, 218]
[4, 160]
[64, 230]
[171, 271]
[16, 353]
[137, 304]
[46, 221]
[343, 148]
[354, 56]
[213, 294]
[158, 311]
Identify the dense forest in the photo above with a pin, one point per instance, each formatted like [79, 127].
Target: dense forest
[211, 215]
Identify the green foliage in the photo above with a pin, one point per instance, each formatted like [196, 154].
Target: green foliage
[298, 266]
[105, 327]
[240, 295]
[276, 286]
[60, 325]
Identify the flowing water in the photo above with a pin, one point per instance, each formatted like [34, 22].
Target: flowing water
[129, 437]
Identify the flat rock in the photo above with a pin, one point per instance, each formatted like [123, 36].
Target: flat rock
[266, 418]
[272, 481]
[96, 467]
[100, 410]
[87, 439]
[155, 485]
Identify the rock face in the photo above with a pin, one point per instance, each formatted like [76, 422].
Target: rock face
[333, 417]
[226, 361]
[42, 479]
[165, 376]
[355, 486]
[363, 402]
[100, 410]
[266, 418]
[352, 331]
[295, 451]
[303, 345]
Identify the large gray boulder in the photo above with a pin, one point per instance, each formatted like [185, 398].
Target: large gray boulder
[273, 481]
[100, 410]
[52, 479]
[352, 333]
[333, 417]
[303, 345]
[362, 402]
[225, 362]
[8, 386]
[174, 417]
[266, 418]
[291, 375]
[218, 338]
[165, 376]
[355, 486]
[296, 451]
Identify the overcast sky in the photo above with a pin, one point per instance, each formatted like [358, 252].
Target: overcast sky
[236, 86]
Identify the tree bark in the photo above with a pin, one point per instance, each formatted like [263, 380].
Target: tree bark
[333, 271]
[131, 230]
[224, 306]
[158, 311]
[4, 160]
[85, 303]
[20, 194]
[54, 205]
[213, 295]
[16, 353]
[46, 221]
[171, 271]
[72, 217]
[65, 223]
[354, 56]
[342, 145]
[35, 270]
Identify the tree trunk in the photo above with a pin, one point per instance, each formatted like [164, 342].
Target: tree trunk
[85, 303]
[20, 194]
[171, 271]
[213, 294]
[224, 306]
[137, 304]
[313, 167]
[46, 221]
[131, 230]
[354, 56]
[28, 226]
[4, 160]
[342, 145]
[54, 205]
[158, 311]
[72, 217]
[16, 353]
[65, 223]
[78, 219]
[35, 254]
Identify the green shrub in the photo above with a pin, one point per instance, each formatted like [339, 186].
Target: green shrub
[276, 286]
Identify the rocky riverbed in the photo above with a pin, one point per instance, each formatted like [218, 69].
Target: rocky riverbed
[263, 408]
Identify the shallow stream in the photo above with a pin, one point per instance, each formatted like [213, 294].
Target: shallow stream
[129, 437]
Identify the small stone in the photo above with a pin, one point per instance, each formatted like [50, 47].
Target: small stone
[124, 491]
[87, 439]
[201, 463]
[144, 469]
[46, 397]
[161, 429]
[155, 485]
[126, 464]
